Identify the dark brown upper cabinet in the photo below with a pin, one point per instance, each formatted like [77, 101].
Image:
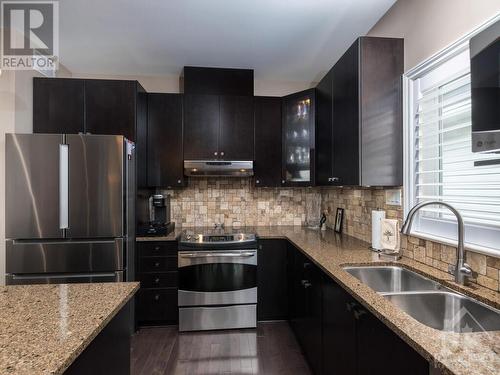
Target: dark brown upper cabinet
[298, 142]
[267, 166]
[236, 137]
[201, 127]
[217, 81]
[164, 141]
[110, 107]
[64, 105]
[218, 127]
[359, 116]
[58, 105]
[324, 129]
[72, 106]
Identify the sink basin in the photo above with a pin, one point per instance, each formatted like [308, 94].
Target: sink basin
[447, 311]
[389, 279]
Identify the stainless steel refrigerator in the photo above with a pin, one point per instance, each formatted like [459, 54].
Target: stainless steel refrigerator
[70, 202]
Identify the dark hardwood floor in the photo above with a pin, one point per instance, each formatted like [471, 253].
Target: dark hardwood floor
[270, 349]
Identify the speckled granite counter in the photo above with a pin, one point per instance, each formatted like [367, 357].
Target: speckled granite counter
[453, 353]
[44, 328]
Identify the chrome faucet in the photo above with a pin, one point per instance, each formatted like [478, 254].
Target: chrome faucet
[462, 270]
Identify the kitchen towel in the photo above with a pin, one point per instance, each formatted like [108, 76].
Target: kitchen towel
[377, 217]
[390, 237]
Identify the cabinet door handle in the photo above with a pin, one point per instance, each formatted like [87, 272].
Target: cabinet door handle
[222, 153]
[358, 313]
[157, 248]
[257, 181]
[350, 306]
[179, 181]
[157, 297]
[307, 264]
[306, 284]
[157, 280]
[333, 179]
[157, 264]
[216, 153]
[282, 181]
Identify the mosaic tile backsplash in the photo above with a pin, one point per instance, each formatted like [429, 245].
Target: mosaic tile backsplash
[358, 204]
[237, 202]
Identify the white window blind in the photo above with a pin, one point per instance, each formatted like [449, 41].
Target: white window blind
[442, 165]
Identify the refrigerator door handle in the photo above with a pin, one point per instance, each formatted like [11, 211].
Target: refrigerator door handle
[63, 186]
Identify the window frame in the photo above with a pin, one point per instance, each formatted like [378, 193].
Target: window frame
[409, 99]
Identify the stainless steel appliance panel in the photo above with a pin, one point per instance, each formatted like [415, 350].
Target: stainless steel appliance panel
[96, 186]
[190, 298]
[187, 258]
[64, 278]
[218, 168]
[30, 257]
[225, 317]
[32, 186]
[485, 89]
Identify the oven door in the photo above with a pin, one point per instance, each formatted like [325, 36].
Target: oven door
[217, 277]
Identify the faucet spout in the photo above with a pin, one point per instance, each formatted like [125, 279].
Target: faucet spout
[462, 269]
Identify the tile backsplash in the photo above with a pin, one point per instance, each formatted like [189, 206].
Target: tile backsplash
[358, 204]
[236, 201]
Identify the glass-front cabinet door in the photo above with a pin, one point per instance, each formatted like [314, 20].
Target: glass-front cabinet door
[298, 138]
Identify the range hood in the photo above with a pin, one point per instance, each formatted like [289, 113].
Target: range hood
[218, 168]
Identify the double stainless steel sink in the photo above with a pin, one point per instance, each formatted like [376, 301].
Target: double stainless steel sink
[428, 301]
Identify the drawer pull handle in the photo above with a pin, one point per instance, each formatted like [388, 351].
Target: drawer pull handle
[157, 297]
[157, 280]
[219, 255]
[157, 248]
[157, 264]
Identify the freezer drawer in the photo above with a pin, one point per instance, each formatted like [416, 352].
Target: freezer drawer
[32, 204]
[68, 256]
[64, 278]
[223, 317]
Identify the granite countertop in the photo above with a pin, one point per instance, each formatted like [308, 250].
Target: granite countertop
[44, 328]
[452, 353]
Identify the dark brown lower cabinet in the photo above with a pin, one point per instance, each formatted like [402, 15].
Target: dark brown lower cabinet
[156, 301]
[272, 302]
[305, 293]
[339, 331]
[109, 352]
[357, 342]
[338, 335]
[372, 336]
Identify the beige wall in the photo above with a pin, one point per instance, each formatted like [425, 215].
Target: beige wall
[429, 25]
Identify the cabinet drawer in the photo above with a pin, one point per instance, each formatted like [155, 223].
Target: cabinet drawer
[157, 305]
[157, 248]
[158, 264]
[158, 280]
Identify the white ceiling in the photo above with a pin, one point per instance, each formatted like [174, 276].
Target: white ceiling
[292, 40]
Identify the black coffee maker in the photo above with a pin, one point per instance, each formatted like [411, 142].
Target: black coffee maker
[159, 217]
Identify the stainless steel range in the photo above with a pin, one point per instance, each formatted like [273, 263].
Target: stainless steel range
[217, 280]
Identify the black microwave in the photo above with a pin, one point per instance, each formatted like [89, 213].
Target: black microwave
[485, 89]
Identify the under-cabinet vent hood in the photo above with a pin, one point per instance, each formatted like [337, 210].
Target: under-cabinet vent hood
[218, 168]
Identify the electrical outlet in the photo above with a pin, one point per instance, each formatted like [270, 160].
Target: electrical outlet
[393, 197]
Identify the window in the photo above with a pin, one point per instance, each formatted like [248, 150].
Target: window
[440, 164]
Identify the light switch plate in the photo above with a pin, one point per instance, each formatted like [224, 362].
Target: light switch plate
[393, 197]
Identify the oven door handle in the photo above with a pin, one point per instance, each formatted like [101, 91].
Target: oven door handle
[219, 255]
